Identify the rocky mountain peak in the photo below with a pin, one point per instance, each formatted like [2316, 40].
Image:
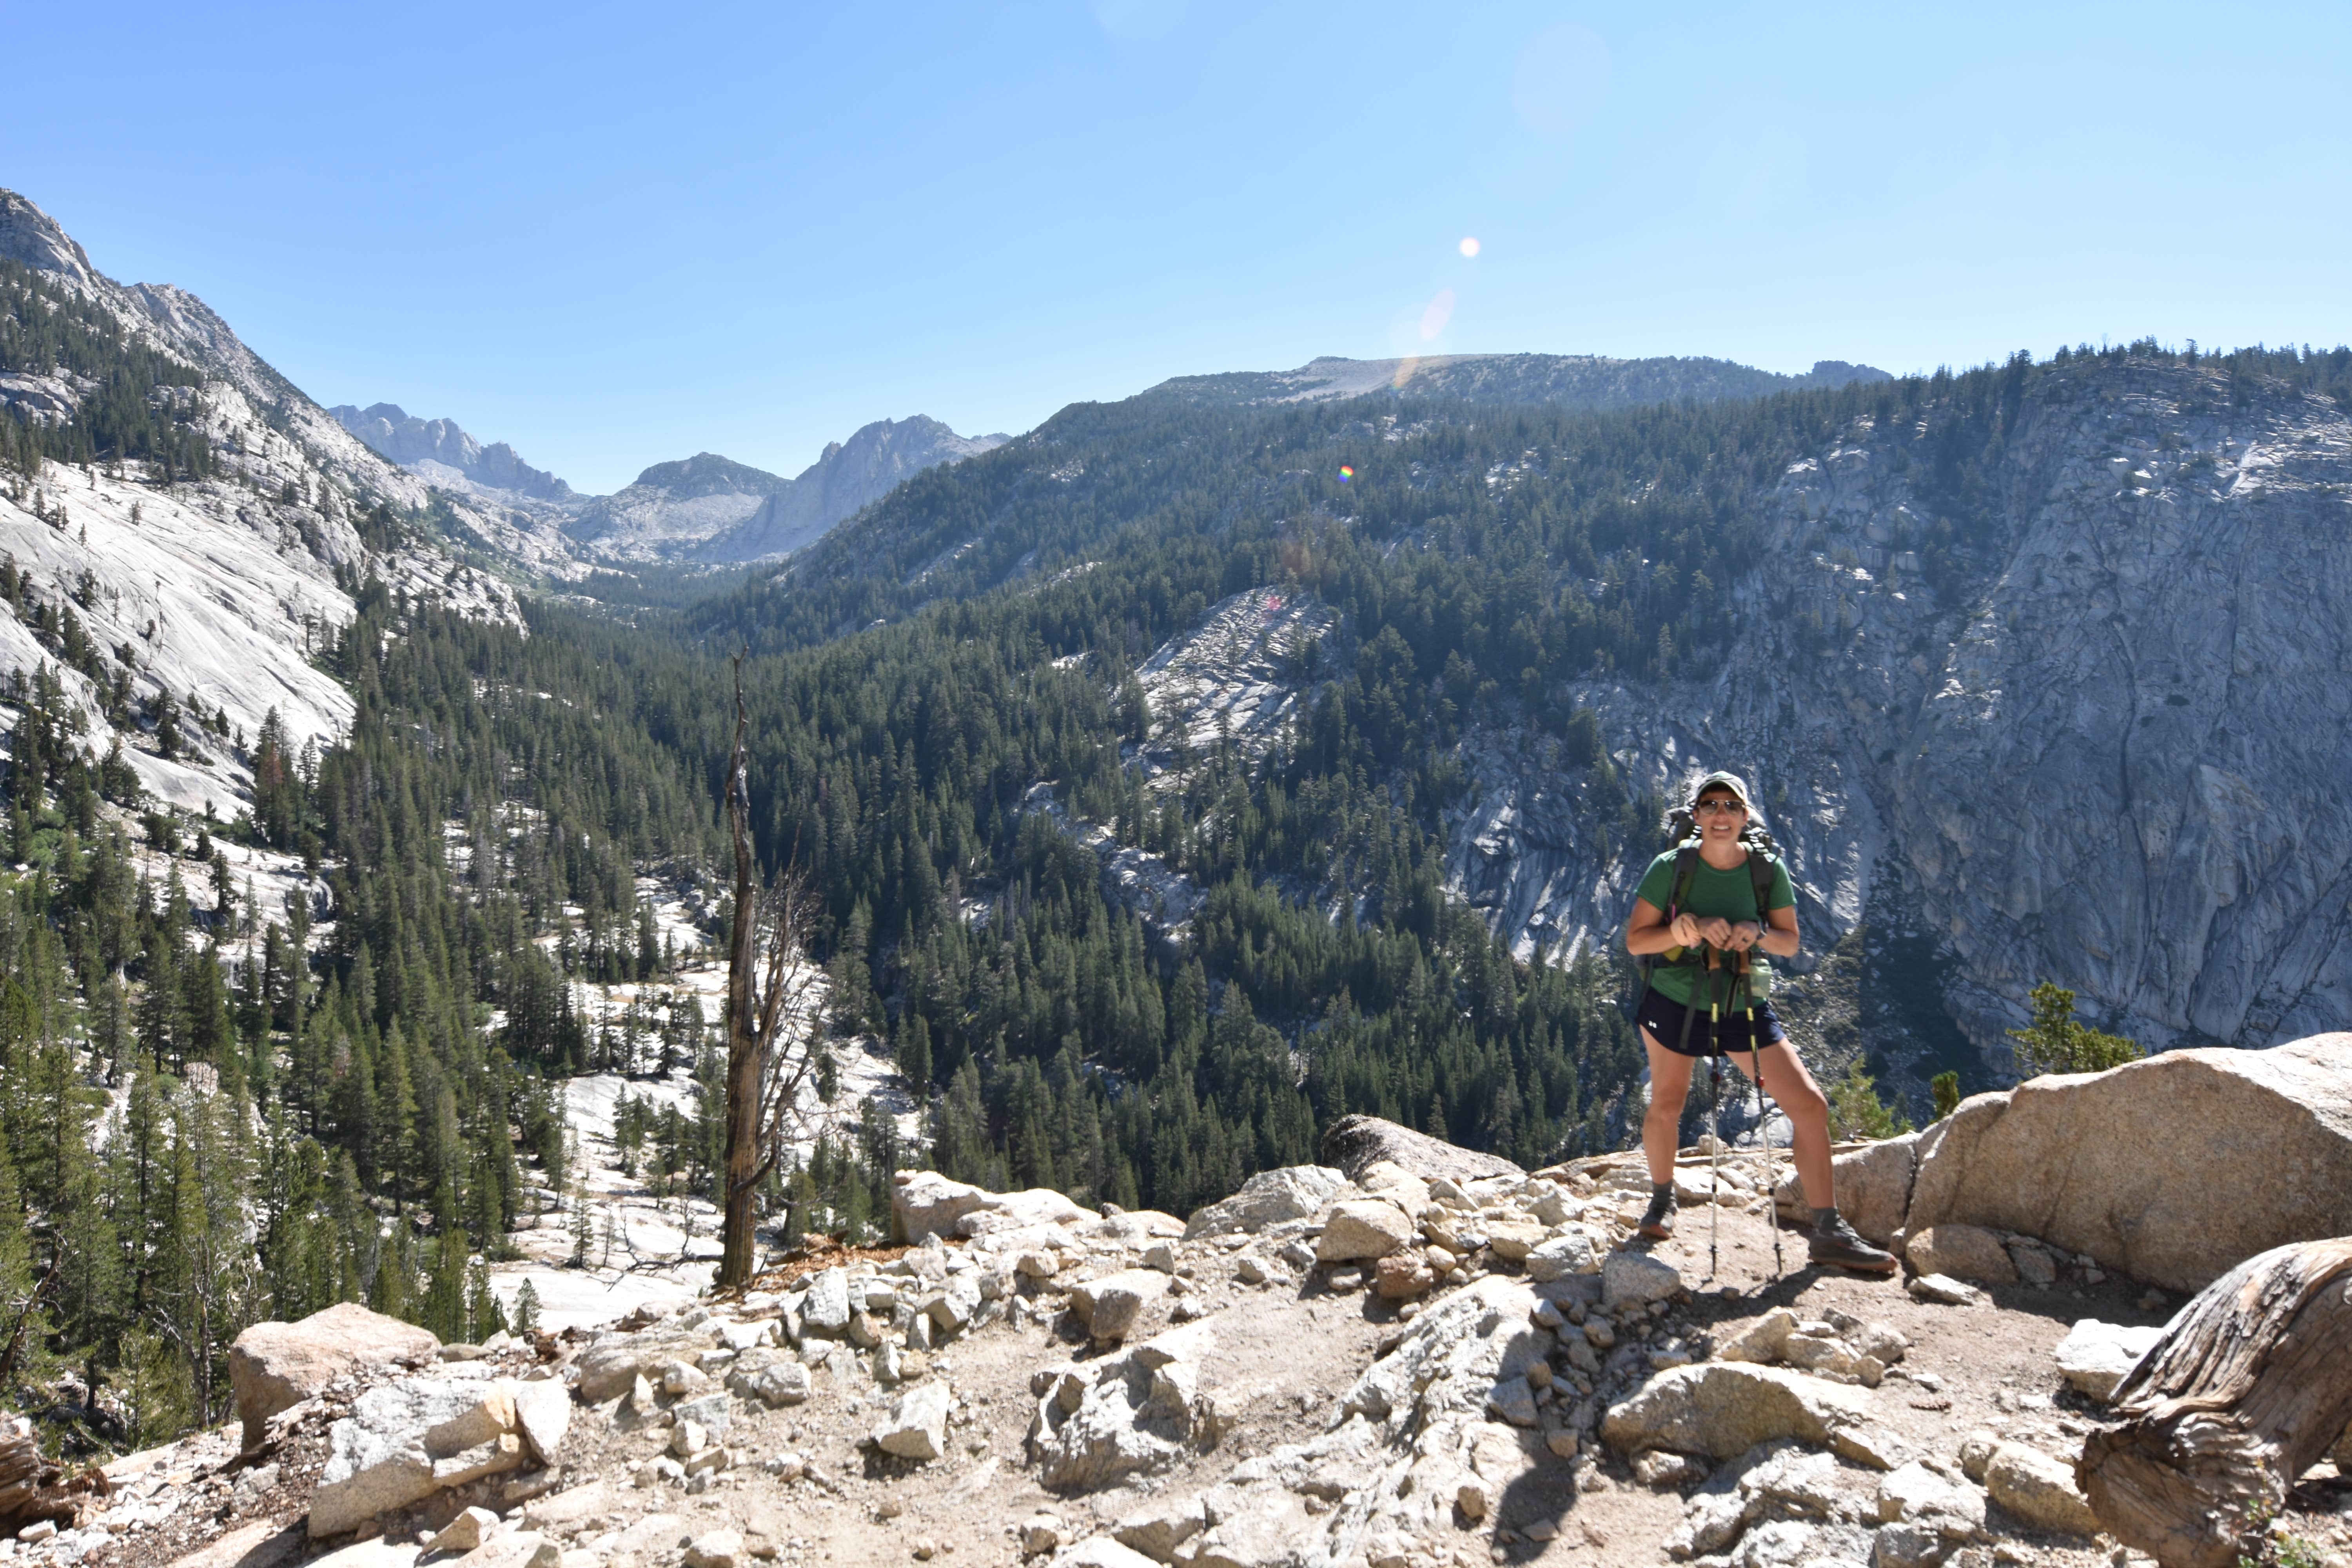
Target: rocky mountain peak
[32, 236]
[1837, 373]
[206, 556]
[707, 474]
[851, 475]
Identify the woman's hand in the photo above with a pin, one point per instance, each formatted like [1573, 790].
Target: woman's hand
[1686, 931]
[1745, 935]
[1716, 931]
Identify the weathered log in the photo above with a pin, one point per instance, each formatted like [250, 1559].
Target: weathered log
[30, 1486]
[2250, 1385]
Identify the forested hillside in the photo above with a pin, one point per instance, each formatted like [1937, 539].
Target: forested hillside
[1835, 590]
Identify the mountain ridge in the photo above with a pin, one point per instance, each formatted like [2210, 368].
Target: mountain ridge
[215, 565]
[392, 432]
[1581, 381]
[706, 509]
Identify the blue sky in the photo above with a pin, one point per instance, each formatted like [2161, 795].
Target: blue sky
[614, 235]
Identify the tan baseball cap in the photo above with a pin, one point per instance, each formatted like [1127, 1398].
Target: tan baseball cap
[1720, 780]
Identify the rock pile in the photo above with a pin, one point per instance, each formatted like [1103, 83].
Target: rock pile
[275, 1366]
[407, 1439]
[1838, 1345]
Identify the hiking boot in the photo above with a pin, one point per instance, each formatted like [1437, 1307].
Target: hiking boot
[1658, 1219]
[1835, 1242]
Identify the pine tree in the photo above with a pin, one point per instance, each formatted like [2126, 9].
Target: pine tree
[484, 1317]
[25, 1325]
[162, 1026]
[443, 1310]
[915, 1056]
[393, 1290]
[1945, 1088]
[203, 1287]
[2057, 1042]
[582, 1233]
[154, 1382]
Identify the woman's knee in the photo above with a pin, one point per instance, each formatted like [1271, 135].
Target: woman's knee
[1807, 1101]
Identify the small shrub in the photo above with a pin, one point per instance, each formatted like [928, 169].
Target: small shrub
[1856, 1110]
[2057, 1041]
[1945, 1088]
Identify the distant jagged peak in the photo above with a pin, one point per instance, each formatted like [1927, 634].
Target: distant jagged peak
[390, 431]
[925, 439]
[851, 474]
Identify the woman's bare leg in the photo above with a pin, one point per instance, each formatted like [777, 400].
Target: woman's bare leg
[1807, 1110]
[1670, 1077]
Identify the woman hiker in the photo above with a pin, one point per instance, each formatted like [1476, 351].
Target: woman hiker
[1716, 931]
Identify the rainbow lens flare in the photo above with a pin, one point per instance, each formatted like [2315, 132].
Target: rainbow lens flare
[1346, 473]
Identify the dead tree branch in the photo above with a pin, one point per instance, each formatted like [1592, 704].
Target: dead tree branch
[771, 1019]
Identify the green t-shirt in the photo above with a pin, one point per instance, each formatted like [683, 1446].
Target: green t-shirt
[1730, 895]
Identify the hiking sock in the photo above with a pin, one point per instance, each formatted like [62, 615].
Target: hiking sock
[1658, 1220]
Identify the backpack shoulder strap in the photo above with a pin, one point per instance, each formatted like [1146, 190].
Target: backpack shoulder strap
[1686, 870]
[1760, 871]
[1677, 894]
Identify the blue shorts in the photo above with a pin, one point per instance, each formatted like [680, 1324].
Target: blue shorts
[1662, 1016]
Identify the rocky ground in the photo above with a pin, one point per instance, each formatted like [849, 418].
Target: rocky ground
[1412, 1356]
[1439, 1360]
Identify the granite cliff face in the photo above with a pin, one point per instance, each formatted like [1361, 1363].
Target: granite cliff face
[216, 588]
[2103, 757]
[427, 445]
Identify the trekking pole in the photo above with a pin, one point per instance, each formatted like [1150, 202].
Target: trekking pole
[1714, 1125]
[1764, 1136]
[1714, 1158]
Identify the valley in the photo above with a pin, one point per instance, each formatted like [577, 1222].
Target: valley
[1168, 782]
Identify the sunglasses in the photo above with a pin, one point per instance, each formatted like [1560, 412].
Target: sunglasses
[1719, 807]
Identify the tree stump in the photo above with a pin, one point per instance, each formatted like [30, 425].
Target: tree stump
[2250, 1385]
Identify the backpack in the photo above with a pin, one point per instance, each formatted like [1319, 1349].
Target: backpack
[1681, 831]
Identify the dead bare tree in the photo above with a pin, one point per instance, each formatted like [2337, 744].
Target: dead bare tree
[771, 1022]
[2250, 1385]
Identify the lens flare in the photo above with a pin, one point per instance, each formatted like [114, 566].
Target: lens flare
[1440, 311]
[1346, 473]
[1469, 245]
